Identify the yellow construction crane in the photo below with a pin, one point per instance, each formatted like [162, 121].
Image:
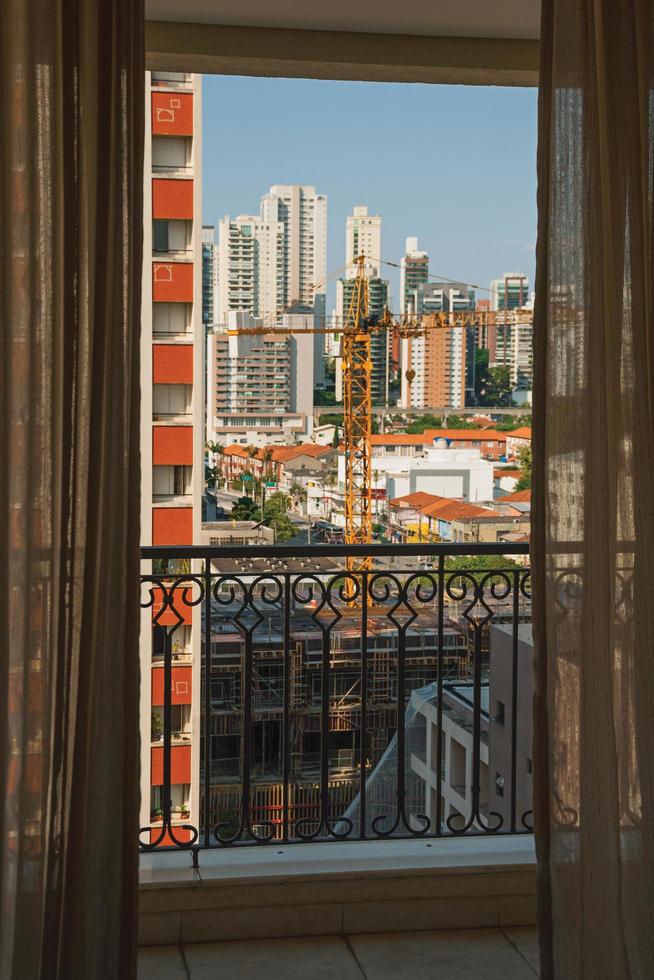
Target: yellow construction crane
[357, 330]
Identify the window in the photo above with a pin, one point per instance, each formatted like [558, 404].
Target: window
[170, 481]
[499, 784]
[159, 235]
[499, 712]
[171, 318]
[171, 400]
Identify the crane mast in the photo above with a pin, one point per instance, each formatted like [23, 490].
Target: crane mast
[357, 419]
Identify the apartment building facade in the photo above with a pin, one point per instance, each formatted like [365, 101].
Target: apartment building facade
[257, 383]
[209, 275]
[440, 365]
[172, 424]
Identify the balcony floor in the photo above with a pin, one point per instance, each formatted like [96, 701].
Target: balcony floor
[465, 954]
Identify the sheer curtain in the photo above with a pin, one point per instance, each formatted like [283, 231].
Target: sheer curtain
[593, 532]
[71, 104]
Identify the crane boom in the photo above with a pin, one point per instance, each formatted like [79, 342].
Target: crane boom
[407, 325]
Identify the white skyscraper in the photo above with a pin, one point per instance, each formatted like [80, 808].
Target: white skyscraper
[303, 214]
[250, 266]
[363, 237]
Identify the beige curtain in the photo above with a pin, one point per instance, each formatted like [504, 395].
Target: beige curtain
[71, 104]
[593, 534]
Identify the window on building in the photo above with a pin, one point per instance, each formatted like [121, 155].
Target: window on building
[159, 235]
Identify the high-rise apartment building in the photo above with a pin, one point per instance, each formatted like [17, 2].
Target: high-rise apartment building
[209, 275]
[440, 365]
[276, 261]
[363, 237]
[172, 425]
[414, 271]
[509, 345]
[260, 388]
[250, 267]
[377, 301]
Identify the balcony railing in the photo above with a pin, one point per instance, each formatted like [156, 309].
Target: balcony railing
[347, 705]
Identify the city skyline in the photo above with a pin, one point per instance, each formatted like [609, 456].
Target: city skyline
[469, 192]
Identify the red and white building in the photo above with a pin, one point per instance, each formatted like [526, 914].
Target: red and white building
[172, 421]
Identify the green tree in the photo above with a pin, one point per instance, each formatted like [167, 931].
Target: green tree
[335, 438]
[458, 422]
[275, 516]
[524, 459]
[423, 422]
[480, 564]
[245, 509]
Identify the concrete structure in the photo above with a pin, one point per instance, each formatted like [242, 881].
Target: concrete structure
[496, 742]
[217, 533]
[442, 362]
[209, 275]
[172, 418]
[456, 473]
[363, 237]
[257, 384]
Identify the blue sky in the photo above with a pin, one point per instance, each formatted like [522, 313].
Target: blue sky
[454, 165]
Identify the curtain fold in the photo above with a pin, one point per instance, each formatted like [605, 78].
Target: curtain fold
[593, 513]
[71, 104]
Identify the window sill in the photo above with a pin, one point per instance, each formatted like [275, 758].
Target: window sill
[334, 888]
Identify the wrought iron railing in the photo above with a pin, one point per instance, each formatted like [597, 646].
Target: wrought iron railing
[338, 705]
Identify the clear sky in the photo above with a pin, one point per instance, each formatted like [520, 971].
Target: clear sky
[454, 165]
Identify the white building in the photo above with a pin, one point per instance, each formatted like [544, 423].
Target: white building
[250, 263]
[276, 261]
[363, 237]
[260, 387]
[458, 473]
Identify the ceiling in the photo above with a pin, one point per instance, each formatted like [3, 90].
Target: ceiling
[445, 18]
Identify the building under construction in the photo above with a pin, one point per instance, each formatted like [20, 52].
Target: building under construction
[318, 648]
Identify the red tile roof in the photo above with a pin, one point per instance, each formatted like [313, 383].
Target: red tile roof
[418, 500]
[457, 510]
[427, 437]
[524, 432]
[518, 496]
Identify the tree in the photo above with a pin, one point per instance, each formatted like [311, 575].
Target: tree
[524, 459]
[481, 564]
[212, 469]
[245, 509]
[275, 516]
[336, 438]
[267, 456]
[423, 422]
[492, 384]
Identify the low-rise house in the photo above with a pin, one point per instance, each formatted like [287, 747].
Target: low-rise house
[516, 440]
[515, 504]
[490, 443]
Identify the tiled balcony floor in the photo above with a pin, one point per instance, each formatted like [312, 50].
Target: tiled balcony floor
[466, 954]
